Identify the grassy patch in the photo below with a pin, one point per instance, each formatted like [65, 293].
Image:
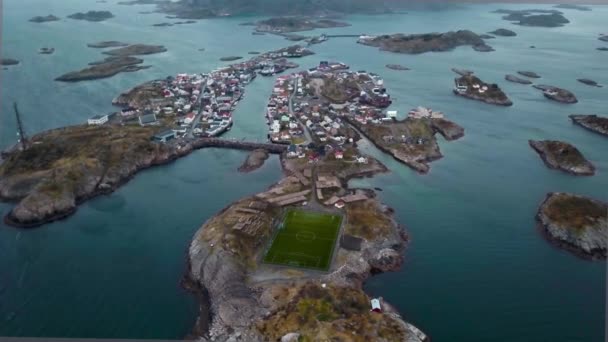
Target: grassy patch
[366, 220]
[575, 212]
[305, 239]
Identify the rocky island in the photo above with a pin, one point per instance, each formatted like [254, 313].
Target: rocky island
[254, 161]
[575, 223]
[530, 74]
[8, 61]
[230, 58]
[411, 141]
[503, 33]
[46, 50]
[515, 79]
[573, 7]
[421, 43]
[563, 156]
[107, 44]
[108, 67]
[473, 88]
[94, 16]
[594, 123]
[44, 19]
[603, 37]
[603, 48]
[557, 94]
[295, 24]
[397, 67]
[589, 82]
[535, 17]
[462, 72]
[121, 60]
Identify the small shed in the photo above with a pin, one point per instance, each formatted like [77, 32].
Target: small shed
[375, 302]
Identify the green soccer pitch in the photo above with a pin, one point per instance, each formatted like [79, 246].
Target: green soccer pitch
[305, 239]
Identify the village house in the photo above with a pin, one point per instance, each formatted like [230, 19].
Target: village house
[98, 120]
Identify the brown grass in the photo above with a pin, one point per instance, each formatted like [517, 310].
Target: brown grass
[366, 220]
[575, 212]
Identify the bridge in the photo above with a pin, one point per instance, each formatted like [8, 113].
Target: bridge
[238, 145]
[343, 35]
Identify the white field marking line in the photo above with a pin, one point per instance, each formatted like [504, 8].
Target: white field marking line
[317, 238]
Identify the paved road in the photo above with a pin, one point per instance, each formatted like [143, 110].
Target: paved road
[293, 94]
[197, 118]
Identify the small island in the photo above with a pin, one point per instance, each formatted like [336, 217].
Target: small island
[589, 82]
[592, 122]
[573, 7]
[295, 24]
[230, 58]
[557, 94]
[473, 88]
[603, 37]
[486, 36]
[530, 74]
[136, 50]
[254, 161]
[575, 223]
[253, 52]
[421, 43]
[563, 156]
[503, 33]
[46, 50]
[107, 44]
[8, 61]
[94, 16]
[534, 17]
[397, 67]
[162, 25]
[515, 79]
[463, 72]
[44, 19]
[108, 67]
[603, 48]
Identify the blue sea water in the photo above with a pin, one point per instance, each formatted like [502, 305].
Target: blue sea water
[476, 269]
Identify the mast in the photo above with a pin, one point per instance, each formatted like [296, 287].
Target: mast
[20, 132]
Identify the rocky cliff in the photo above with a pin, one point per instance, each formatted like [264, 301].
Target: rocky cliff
[563, 156]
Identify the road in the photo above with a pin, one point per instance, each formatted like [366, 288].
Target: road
[293, 94]
[197, 118]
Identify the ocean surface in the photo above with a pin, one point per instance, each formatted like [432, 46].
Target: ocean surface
[476, 269]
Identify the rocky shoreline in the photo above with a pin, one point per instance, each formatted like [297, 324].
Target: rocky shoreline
[249, 301]
[557, 94]
[254, 160]
[594, 123]
[563, 156]
[515, 79]
[575, 223]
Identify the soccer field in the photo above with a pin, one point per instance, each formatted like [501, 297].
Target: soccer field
[305, 239]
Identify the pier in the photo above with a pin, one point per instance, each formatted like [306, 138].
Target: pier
[239, 145]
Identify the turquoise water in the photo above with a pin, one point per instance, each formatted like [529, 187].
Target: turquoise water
[476, 269]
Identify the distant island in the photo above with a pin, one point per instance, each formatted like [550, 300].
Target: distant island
[121, 60]
[603, 37]
[575, 223]
[573, 7]
[530, 74]
[8, 61]
[230, 58]
[594, 123]
[473, 88]
[94, 16]
[504, 33]
[107, 44]
[397, 67]
[421, 43]
[534, 17]
[557, 94]
[44, 19]
[563, 156]
[589, 82]
[46, 50]
[295, 24]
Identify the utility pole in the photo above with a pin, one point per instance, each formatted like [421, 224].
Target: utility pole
[20, 132]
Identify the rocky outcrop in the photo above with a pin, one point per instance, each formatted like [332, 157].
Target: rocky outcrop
[462, 72]
[589, 82]
[230, 58]
[429, 42]
[563, 156]
[530, 74]
[103, 69]
[534, 17]
[448, 129]
[515, 79]
[594, 123]
[576, 223]
[573, 7]
[254, 160]
[8, 61]
[295, 24]
[503, 33]
[557, 94]
[397, 67]
[136, 50]
[603, 37]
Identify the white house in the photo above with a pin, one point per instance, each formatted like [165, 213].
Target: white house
[98, 120]
[376, 305]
